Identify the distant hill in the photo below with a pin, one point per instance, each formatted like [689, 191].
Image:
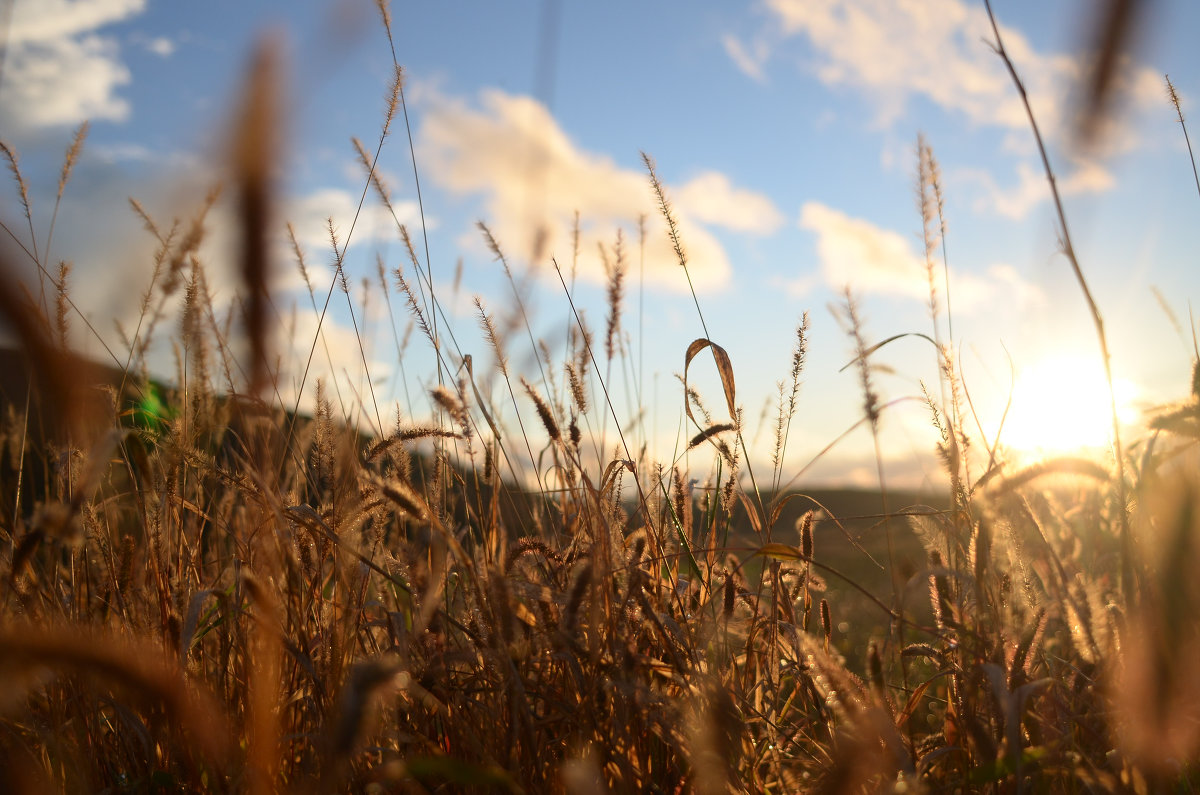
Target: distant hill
[856, 546]
[858, 511]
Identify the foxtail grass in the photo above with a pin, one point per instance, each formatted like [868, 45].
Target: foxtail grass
[501, 588]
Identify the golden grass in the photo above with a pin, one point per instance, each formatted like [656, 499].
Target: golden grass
[215, 593]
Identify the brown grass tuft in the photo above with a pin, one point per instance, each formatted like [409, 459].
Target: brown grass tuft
[543, 412]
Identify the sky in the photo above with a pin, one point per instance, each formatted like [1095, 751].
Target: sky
[785, 136]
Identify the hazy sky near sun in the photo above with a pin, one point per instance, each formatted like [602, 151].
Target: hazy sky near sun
[784, 131]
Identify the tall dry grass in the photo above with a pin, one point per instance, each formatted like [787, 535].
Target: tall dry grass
[204, 590]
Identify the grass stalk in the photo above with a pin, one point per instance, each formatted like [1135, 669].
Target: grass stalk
[1128, 580]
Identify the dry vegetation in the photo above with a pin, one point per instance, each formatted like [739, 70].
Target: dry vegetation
[205, 591]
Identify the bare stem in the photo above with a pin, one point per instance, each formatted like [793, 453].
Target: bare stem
[1127, 579]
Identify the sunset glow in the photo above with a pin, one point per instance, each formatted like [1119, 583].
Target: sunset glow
[1061, 405]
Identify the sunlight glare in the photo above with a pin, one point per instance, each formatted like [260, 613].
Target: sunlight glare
[1061, 406]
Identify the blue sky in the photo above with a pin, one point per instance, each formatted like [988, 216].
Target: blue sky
[784, 131]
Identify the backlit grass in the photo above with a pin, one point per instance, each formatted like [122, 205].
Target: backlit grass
[207, 589]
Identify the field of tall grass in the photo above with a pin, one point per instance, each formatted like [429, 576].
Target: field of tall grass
[206, 589]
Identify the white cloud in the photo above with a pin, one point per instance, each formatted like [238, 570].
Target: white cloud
[342, 371]
[1013, 202]
[869, 259]
[712, 199]
[857, 253]
[1031, 189]
[47, 20]
[58, 70]
[310, 215]
[749, 62]
[161, 46]
[797, 287]
[939, 51]
[1007, 281]
[144, 155]
[935, 49]
[1088, 177]
[533, 177]
[64, 81]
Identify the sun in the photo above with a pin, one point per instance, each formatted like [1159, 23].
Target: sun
[1060, 406]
